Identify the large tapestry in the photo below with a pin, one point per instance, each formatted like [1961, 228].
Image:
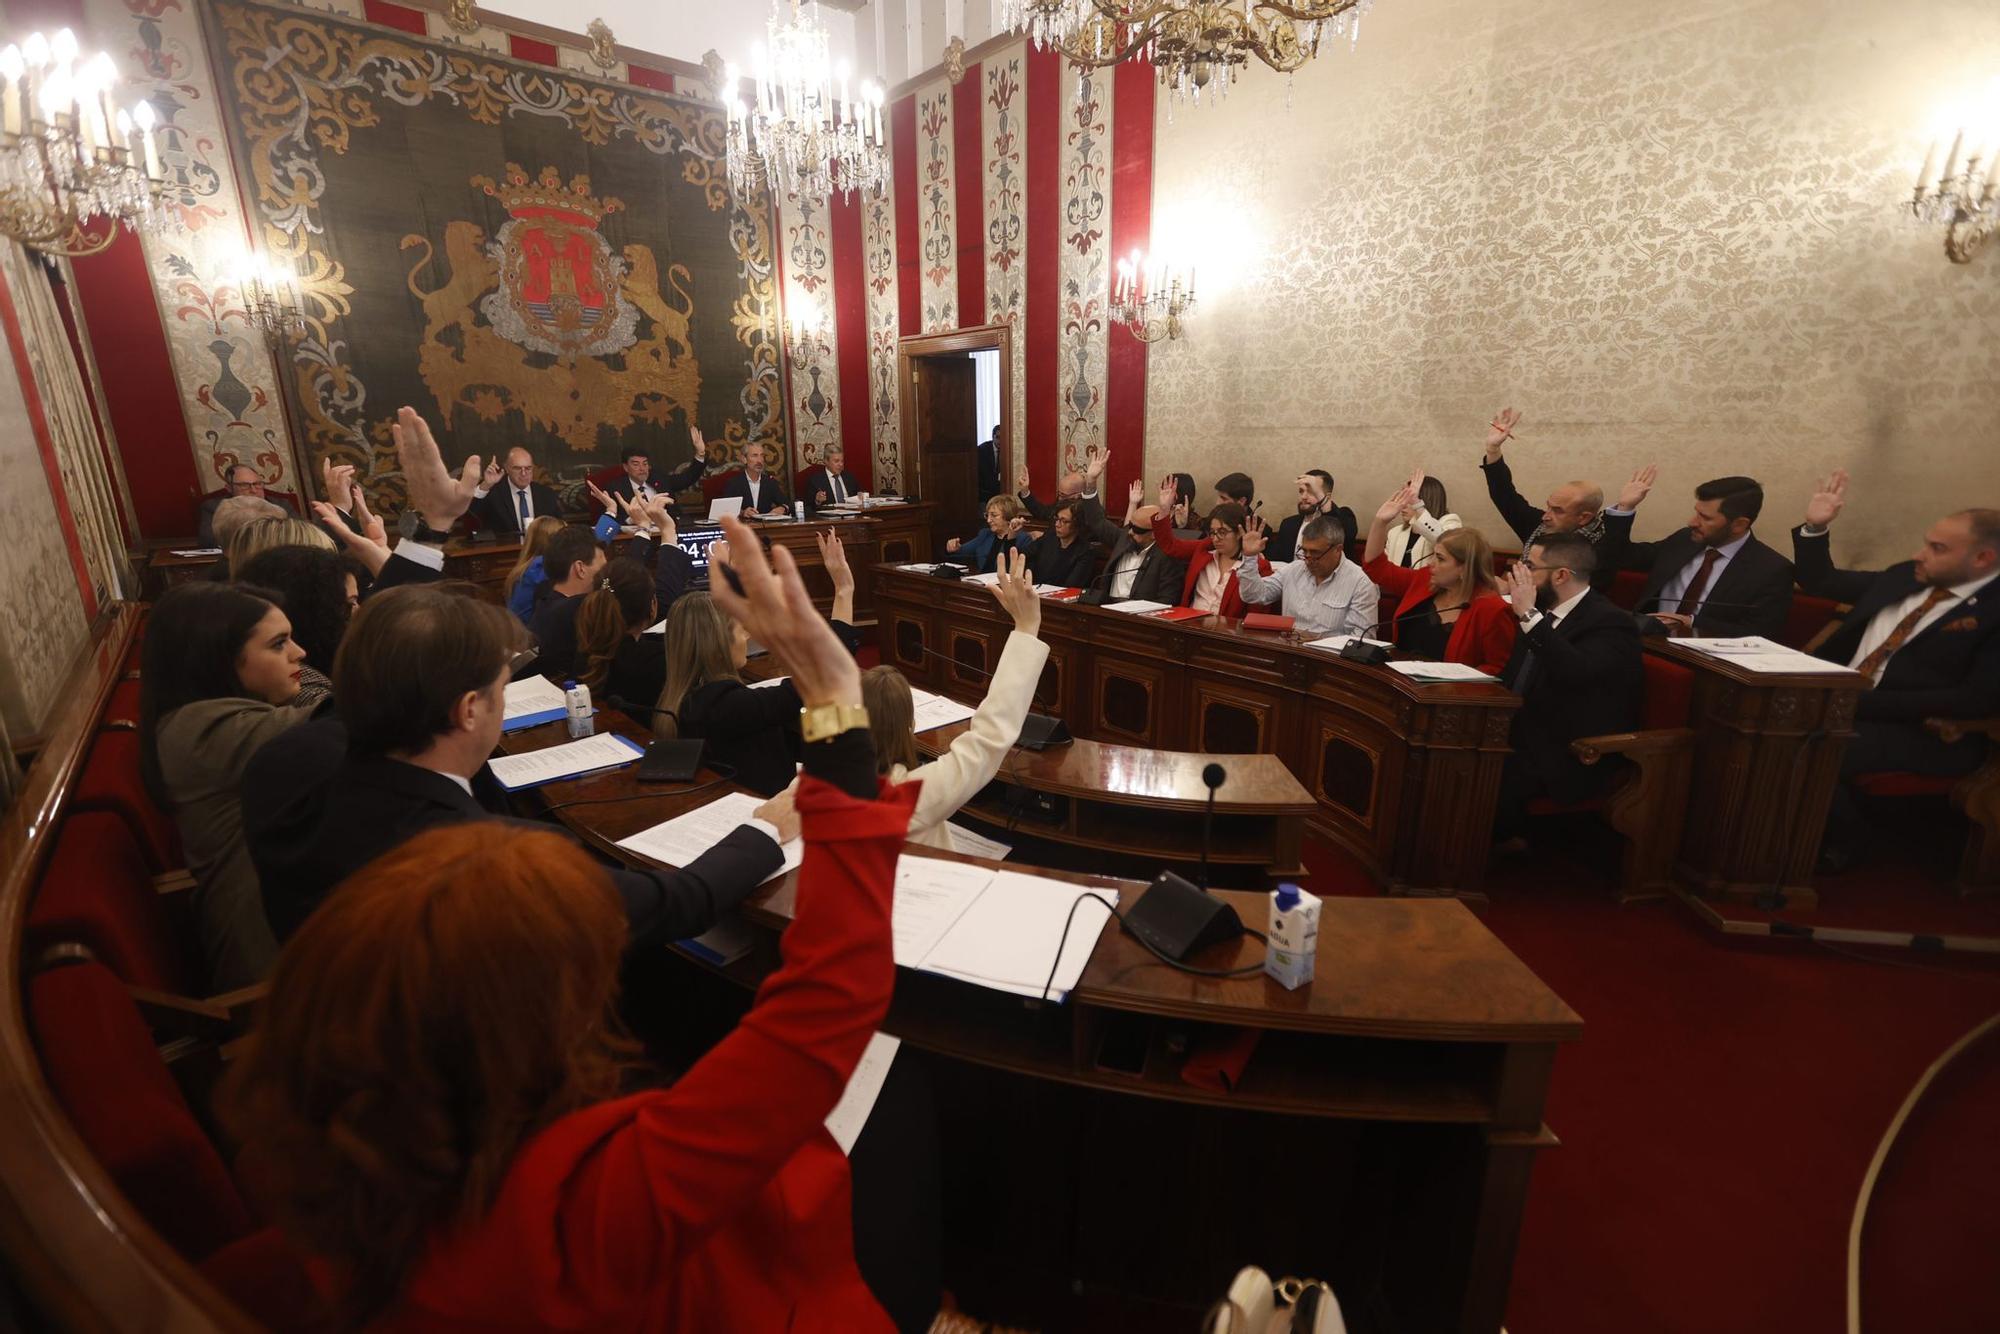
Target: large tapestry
[524, 255]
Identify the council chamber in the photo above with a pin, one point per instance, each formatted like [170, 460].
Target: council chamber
[1000, 665]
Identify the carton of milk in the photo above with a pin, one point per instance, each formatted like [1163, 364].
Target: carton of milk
[1294, 936]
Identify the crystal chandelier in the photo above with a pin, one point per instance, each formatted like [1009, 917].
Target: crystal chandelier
[802, 134]
[1197, 46]
[1150, 300]
[1959, 200]
[270, 295]
[68, 154]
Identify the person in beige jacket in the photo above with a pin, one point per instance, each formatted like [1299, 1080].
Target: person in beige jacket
[219, 675]
[955, 777]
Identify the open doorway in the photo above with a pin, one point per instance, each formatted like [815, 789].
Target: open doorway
[955, 414]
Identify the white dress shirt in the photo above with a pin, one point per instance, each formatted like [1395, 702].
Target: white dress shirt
[1126, 573]
[1208, 586]
[1672, 591]
[1885, 621]
[1344, 603]
[756, 485]
[1557, 612]
[834, 489]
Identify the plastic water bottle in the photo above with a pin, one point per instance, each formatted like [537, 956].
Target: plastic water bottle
[799, 510]
[576, 701]
[1294, 936]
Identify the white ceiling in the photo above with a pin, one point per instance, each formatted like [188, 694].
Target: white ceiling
[890, 40]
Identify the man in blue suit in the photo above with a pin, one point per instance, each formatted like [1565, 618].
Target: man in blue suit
[1926, 632]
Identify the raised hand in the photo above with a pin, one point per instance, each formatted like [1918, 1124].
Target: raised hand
[371, 549]
[1015, 525]
[1016, 591]
[1638, 488]
[951, 545]
[1500, 430]
[1389, 509]
[779, 614]
[1027, 486]
[1255, 539]
[434, 492]
[660, 509]
[1135, 494]
[605, 500]
[1415, 485]
[718, 552]
[336, 480]
[1826, 502]
[1095, 460]
[1521, 588]
[833, 555]
[494, 472]
[372, 526]
[1169, 494]
[700, 445]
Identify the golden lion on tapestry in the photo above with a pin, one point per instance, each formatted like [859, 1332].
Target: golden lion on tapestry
[544, 319]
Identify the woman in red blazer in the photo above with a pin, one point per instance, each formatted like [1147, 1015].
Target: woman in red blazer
[1451, 608]
[430, 1102]
[1210, 585]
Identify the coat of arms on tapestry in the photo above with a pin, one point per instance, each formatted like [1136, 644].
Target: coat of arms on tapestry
[524, 255]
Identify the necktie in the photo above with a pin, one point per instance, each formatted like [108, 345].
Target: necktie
[1409, 549]
[1692, 598]
[521, 500]
[1872, 664]
[834, 478]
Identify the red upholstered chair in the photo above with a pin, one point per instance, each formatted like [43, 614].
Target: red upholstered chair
[1811, 620]
[121, 711]
[110, 782]
[97, 891]
[1626, 588]
[1648, 807]
[1977, 796]
[602, 479]
[103, 1068]
[713, 483]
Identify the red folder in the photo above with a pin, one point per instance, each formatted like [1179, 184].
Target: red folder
[1179, 614]
[1064, 595]
[1263, 620]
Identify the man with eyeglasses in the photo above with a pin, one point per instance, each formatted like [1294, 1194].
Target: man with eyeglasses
[240, 480]
[1137, 570]
[1321, 590]
[507, 510]
[1577, 669]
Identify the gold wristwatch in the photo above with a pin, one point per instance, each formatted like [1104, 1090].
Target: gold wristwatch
[822, 722]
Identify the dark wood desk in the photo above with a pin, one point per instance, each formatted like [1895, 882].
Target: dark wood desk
[172, 570]
[1419, 1023]
[1144, 804]
[1767, 756]
[1404, 774]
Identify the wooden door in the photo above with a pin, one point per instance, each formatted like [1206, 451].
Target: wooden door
[947, 421]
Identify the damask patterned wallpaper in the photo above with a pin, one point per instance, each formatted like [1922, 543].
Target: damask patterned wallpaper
[1664, 235]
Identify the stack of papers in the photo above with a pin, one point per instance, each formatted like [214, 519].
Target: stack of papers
[685, 837]
[996, 929]
[1058, 592]
[1137, 606]
[1335, 643]
[1440, 671]
[1758, 654]
[197, 551]
[921, 567]
[531, 702]
[990, 577]
[936, 710]
[555, 763]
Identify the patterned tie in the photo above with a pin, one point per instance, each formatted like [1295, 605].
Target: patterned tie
[1872, 664]
[1692, 598]
[834, 478]
[521, 500]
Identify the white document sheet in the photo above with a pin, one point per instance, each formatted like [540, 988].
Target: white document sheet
[976, 845]
[536, 694]
[1440, 671]
[1137, 606]
[1335, 643]
[552, 763]
[1758, 654]
[931, 895]
[921, 567]
[766, 685]
[685, 837]
[199, 551]
[844, 1122]
[990, 577]
[936, 710]
[1007, 938]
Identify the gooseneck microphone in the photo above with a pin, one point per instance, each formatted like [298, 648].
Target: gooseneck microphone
[1213, 776]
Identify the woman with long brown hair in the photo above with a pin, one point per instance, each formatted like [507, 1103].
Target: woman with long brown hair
[1449, 609]
[615, 656]
[527, 578]
[429, 1104]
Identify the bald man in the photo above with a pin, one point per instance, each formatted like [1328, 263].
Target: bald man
[507, 502]
[1574, 507]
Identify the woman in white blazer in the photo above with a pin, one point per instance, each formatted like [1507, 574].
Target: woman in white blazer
[955, 777]
[1415, 534]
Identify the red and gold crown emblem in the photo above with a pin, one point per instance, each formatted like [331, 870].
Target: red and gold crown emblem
[547, 197]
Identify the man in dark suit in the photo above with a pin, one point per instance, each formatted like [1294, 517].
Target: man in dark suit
[1926, 632]
[1577, 669]
[1574, 507]
[1315, 497]
[506, 504]
[422, 676]
[1711, 578]
[240, 480]
[1071, 485]
[830, 482]
[639, 483]
[760, 492]
[573, 560]
[1136, 570]
[989, 469]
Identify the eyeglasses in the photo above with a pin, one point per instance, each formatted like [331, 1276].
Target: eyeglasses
[1219, 533]
[1137, 530]
[1531, 567]
[1310, 554]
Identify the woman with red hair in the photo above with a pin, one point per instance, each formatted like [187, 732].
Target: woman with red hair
[430, 1103]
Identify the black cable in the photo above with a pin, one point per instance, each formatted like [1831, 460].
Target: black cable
[1151, 948]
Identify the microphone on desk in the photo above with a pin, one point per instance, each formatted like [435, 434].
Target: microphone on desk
[1178, 919]
[1213, 776]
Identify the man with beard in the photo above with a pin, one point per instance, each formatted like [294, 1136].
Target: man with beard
[1577, 669]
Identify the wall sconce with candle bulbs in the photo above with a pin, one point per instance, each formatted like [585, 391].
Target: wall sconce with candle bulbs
[271, 299]
[69, 154]
[804, 329]
[1150, 298]
[1965, 195]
